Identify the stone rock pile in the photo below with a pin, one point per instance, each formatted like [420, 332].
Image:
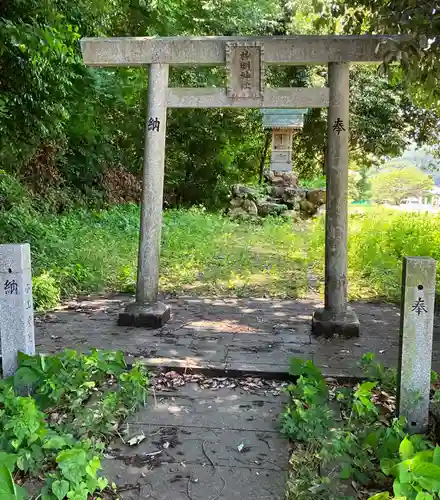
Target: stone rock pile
[279, 196]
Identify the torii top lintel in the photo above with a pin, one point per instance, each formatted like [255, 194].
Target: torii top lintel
[282, 50]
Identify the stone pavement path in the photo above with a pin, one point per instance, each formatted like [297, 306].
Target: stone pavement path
[211, 443]
[204, 444]
[228, 335]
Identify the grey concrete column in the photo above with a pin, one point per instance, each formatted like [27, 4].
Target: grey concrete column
[336, 317]
[147, 311]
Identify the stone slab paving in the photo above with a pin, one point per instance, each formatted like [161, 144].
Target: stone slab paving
[238, 335]
[203, 444]
[178, 482]
[229, 411]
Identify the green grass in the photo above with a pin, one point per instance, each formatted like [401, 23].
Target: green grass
[208, 254]
[202, 253]
[378, 241]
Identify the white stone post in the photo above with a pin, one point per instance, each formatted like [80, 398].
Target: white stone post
[16, 305]
[415, 351]
[336, 317]
[147, 311]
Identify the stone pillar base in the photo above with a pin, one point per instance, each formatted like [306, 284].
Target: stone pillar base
[145, 315]
[328, 324]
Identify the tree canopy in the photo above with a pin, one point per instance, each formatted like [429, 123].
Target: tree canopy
[397, 184]
[418, 56]
[74, 134]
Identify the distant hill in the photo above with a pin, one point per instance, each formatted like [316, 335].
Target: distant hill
[425, 161]
[421, 158]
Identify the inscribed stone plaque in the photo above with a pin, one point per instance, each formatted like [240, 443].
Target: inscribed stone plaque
[281, 157]
[245, 69]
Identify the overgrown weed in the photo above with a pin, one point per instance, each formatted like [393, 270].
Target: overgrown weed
[206, 253]
[55, 437]
[351, 440]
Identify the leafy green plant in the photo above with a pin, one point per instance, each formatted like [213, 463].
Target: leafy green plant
[385, 377]
[45, 292]
[77, 476]
[347, 437]
[416, 473]
[59, 432]
[362, 406]
[8, 489]
[307, 417]
[12, 192]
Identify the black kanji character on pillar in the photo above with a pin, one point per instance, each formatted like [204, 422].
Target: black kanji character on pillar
[154, 124]
[338, 126]
[11, 287]
[419, 306]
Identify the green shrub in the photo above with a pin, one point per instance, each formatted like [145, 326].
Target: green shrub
[416, 473]
[56, 437]
[12, 193]
[204, 253]
[45, 291]
[349, 436]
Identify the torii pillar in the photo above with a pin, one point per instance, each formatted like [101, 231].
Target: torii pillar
[336, 317]
[147, 310]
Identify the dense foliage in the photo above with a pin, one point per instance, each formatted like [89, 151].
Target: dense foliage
[418, 55]
[52, 441]
[378, 241]
[352, 441]
[203, 253]
[74, 135]
[71, 132]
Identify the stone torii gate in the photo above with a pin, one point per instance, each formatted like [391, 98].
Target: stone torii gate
[245, 59]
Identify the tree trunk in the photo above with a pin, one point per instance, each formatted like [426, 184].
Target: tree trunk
[263, 156]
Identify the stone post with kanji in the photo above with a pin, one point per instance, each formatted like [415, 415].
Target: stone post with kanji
[415, 351]
[16, 306]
